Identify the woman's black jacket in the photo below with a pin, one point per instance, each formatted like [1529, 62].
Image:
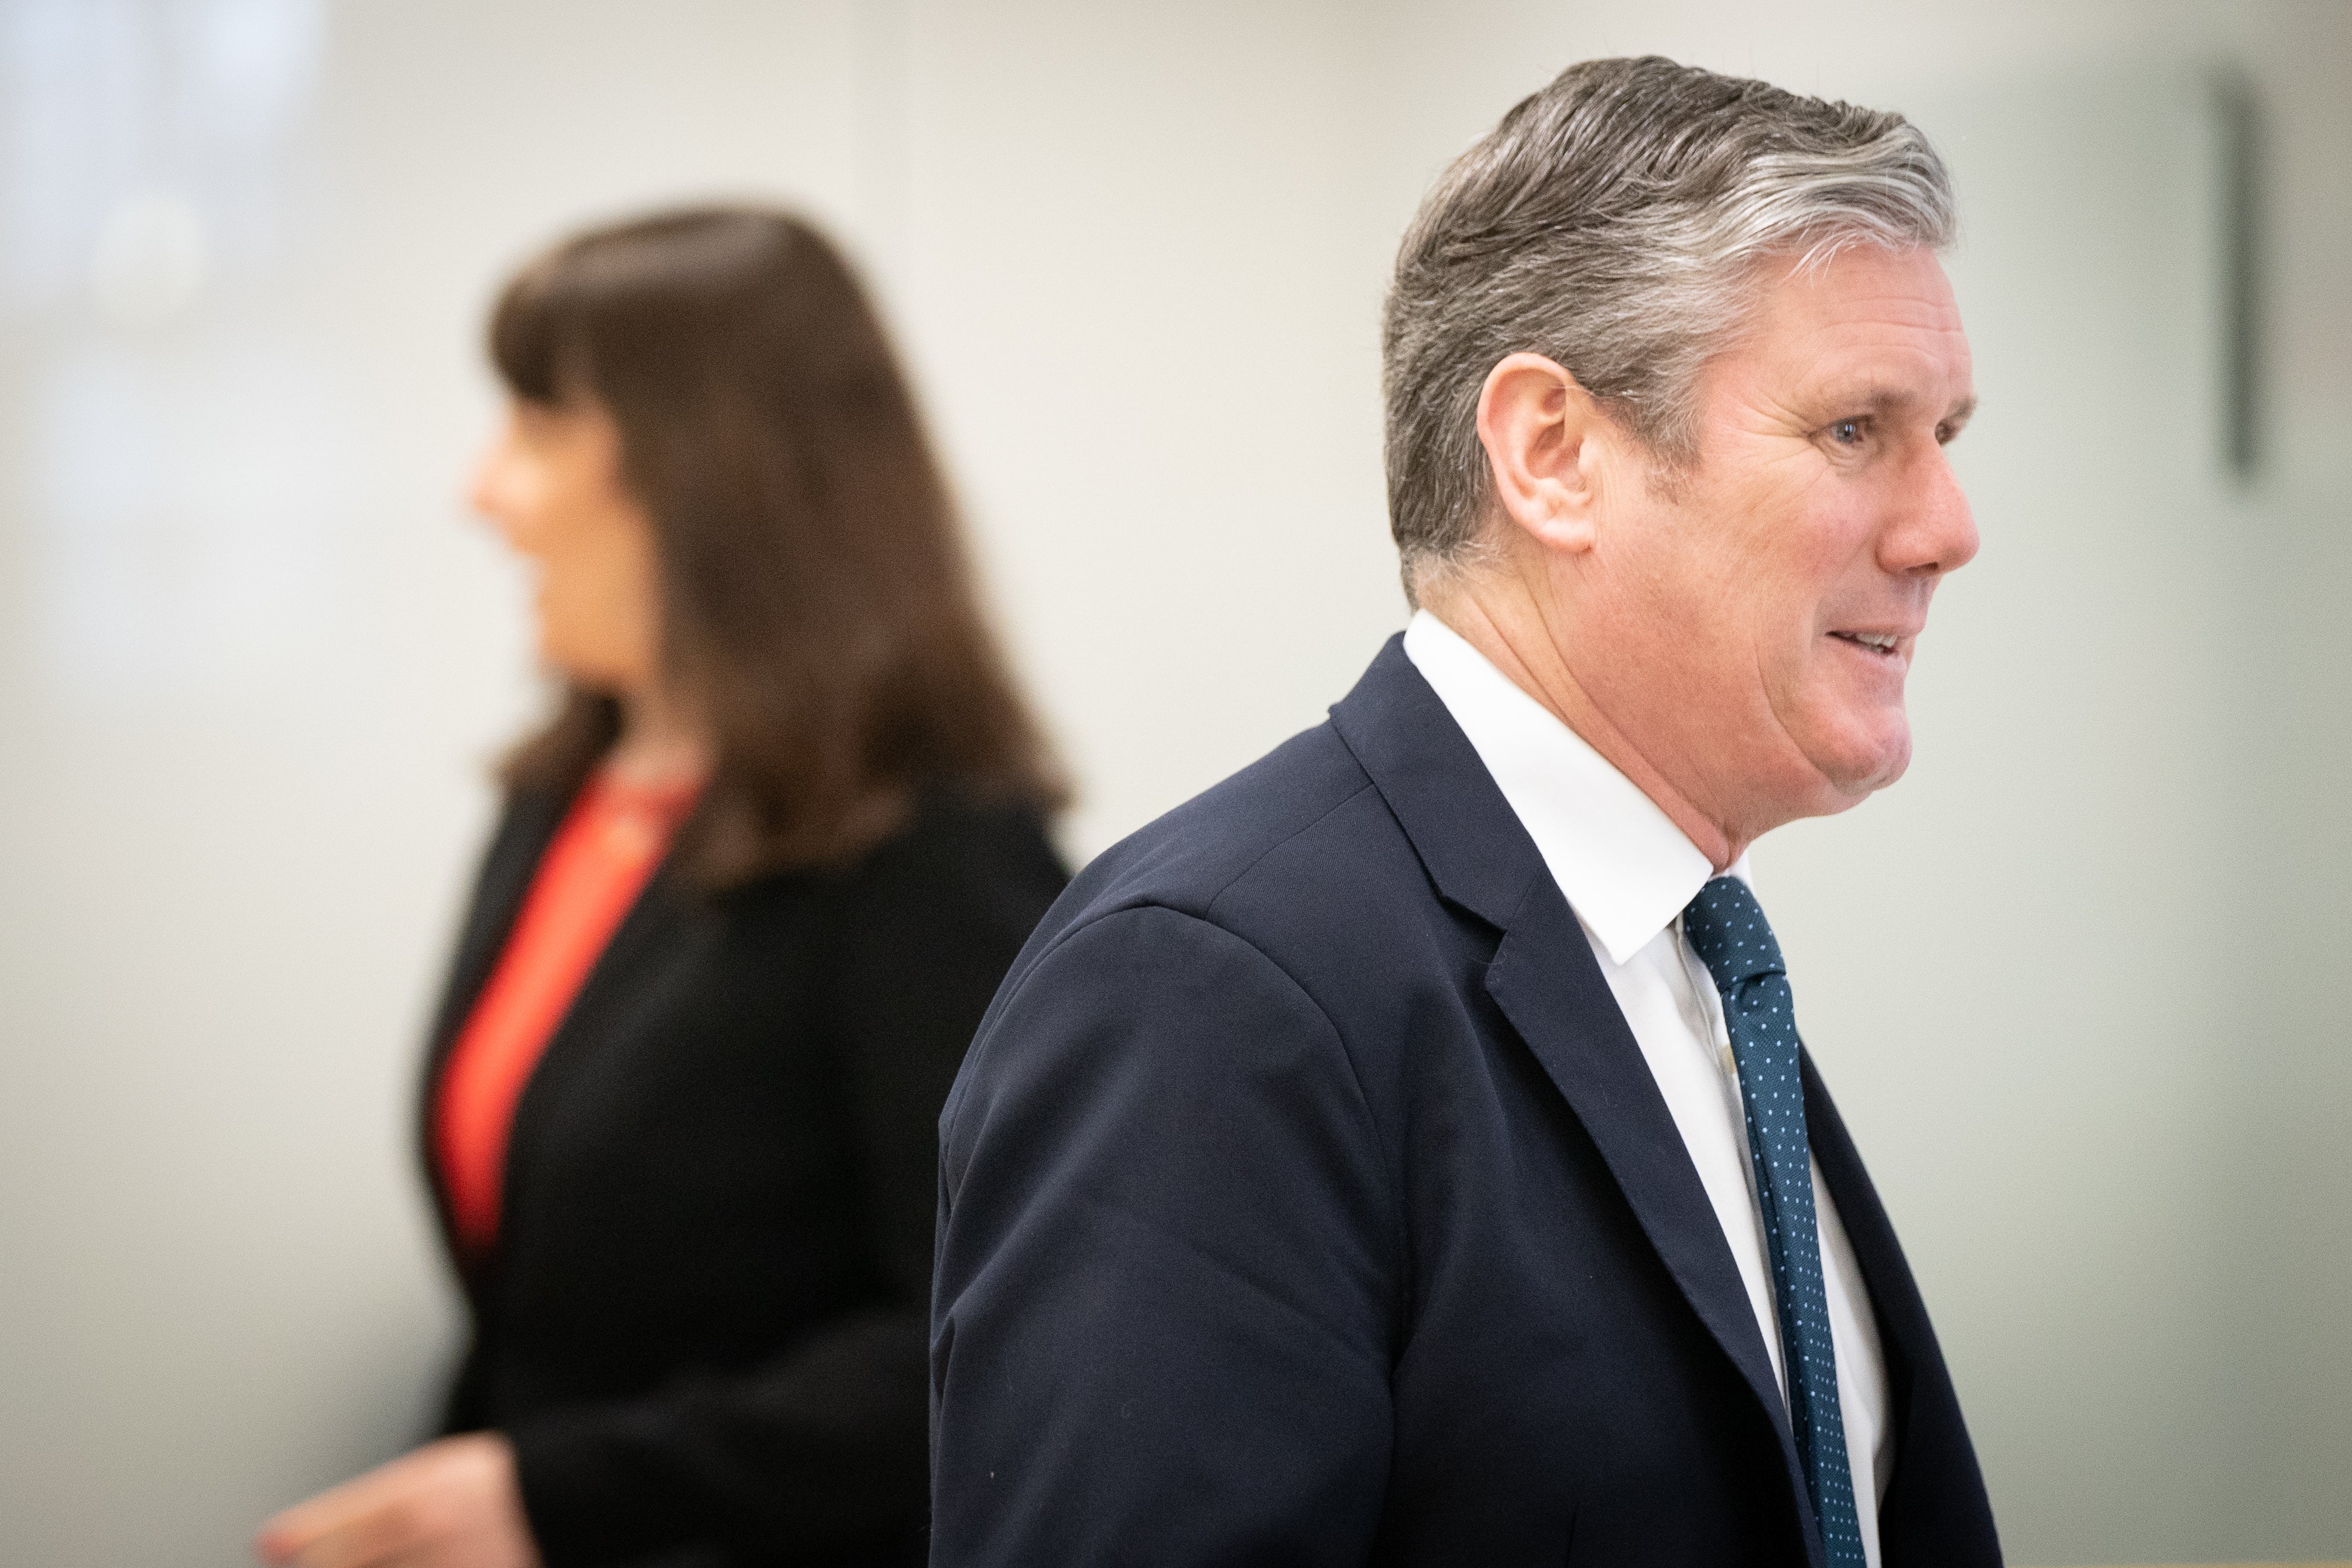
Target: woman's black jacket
[704, 1326]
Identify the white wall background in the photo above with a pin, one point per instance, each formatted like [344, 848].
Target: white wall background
[2075, 979]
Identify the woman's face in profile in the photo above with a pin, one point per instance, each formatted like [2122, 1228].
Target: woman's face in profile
[551, 482]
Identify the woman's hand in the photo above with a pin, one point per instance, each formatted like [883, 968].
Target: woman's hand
[451, 1504]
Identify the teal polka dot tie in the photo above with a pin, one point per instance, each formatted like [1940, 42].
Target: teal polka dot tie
[1726, 927]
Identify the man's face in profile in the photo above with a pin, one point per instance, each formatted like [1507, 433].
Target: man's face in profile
[1770, 596]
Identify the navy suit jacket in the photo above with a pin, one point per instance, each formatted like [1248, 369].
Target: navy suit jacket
[1304, 1199]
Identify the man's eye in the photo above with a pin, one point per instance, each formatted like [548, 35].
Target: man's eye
[1847, 432]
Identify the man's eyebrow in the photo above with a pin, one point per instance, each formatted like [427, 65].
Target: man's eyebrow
[1887, 399]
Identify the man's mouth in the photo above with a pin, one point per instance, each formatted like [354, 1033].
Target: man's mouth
[1884, 643]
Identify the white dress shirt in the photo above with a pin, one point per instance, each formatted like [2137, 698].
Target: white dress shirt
[1628, 871]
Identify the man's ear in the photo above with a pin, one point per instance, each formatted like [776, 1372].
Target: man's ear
[1544, 437]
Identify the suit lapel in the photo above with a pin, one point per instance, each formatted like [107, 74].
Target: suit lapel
[623, 983]
[1545, 980]
[528, 823]
[623, 972]
[1904, 1332]
[1935, 1504]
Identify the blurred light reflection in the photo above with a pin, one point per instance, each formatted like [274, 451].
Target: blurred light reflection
[183, 454]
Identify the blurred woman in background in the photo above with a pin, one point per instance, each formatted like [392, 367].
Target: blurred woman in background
[754, 885]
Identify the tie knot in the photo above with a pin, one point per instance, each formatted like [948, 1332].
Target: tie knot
[1726, 927]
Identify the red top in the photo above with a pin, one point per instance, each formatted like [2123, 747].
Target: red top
[599, 860]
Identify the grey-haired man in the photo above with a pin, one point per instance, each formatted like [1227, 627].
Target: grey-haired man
[1404, 1152]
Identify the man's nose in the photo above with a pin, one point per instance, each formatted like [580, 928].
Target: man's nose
[1936, 532]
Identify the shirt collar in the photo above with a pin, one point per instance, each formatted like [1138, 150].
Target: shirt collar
[1621, 863]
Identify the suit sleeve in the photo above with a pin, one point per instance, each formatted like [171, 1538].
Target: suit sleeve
[1164, 1314]
[822, 1449]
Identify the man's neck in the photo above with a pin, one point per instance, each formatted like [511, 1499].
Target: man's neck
[1507, 624]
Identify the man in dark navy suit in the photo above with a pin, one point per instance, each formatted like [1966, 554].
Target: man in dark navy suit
[1403, 1153]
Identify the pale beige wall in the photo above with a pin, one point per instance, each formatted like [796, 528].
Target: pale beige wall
[252, 660]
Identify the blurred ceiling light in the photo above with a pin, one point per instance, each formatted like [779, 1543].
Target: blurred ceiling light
[150, 261]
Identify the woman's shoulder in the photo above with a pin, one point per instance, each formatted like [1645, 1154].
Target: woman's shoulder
[952, 893]
[944, 821]
[950, 846]
[956, 841]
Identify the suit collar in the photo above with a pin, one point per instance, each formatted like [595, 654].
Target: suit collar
[646, 938]
[1460, 825]
[1625, 867]
[1546, 981]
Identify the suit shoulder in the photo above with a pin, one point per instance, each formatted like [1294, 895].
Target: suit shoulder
[1298, 855]
[1188, 858]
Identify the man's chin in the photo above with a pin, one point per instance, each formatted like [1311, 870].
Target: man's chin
[1864, 774]
[1845, 753]
[1866, 758]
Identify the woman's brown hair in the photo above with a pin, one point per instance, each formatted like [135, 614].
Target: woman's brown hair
[817, 607]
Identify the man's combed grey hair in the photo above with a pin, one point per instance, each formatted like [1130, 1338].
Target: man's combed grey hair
[1613, 223]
